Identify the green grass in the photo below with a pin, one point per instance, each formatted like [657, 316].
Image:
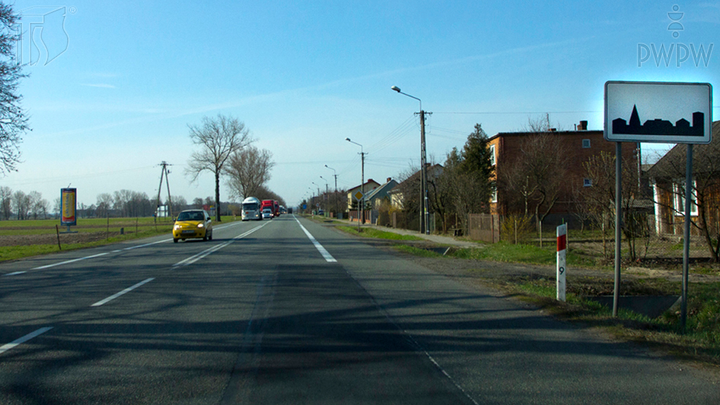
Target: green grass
[417, 251]
[375, 233]
[146, 228]
[699, 341]
[527, 254]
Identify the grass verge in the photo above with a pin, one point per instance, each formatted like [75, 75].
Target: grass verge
[375, 233]
[700, 340]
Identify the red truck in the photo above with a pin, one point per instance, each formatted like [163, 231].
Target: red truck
[269, 204]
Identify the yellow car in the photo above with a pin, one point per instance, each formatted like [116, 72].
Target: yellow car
[193, 224]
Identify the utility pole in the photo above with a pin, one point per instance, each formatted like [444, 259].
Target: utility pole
[334, 195]
[424, 202]
[424, 222]
[164, 173]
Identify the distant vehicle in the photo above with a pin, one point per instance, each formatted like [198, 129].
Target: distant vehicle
[267, 213]
[320, 212]
[268, 204]
[277, 208]
[193, 224]
[283, 210]
[251, 209]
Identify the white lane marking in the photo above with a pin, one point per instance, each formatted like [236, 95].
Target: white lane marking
[328, 257]
[125, 291]
[147, 244]
[114, 251]
[206, 252]
[194, 258]
[14, 273]
[23, 339]
[69, 261]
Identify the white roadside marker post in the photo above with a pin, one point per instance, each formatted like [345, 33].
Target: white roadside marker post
[561, 265]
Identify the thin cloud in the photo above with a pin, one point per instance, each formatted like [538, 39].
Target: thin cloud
[99, 85]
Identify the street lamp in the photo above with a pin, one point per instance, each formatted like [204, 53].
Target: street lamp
[361, 202]
[335, 195]
[424, 216]
[325, 196]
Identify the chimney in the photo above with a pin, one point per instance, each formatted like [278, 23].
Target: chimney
[582, 126]
[552, 129]
[389, 179]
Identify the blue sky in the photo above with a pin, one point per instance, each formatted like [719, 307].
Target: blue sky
[110, 96]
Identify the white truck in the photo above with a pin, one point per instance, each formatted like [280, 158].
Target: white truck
[251, 209]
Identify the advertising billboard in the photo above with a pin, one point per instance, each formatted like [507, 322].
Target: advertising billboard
[68, 198]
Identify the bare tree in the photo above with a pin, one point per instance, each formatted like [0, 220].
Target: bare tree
[218, 138]
[6, 202]
[21, 204]
[13, 122]
[599, 200]
[248, 169]
[537, 176]
[104, 205]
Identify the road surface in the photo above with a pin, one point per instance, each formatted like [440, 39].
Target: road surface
[287, 311]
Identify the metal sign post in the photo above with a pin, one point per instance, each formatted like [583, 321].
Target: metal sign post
[672, 113]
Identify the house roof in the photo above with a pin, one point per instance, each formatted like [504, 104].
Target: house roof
[705, 157]
[367, 183]
[526, 133]
[433, 170]
[382, 191]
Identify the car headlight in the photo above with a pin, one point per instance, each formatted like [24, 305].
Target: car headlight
[177, 227]
[201, 225]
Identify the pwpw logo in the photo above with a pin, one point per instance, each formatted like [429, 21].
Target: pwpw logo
[675, 53]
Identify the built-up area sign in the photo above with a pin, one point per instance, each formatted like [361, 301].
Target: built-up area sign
[658, 112]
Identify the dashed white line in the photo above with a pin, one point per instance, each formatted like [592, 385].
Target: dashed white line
[23, 339]
[15, 273]
[125, 291]
[206, 252]
[328, 257]
[70, 261]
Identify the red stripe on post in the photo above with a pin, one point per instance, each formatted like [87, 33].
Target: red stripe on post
[561, 242]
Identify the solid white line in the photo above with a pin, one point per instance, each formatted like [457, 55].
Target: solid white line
[328, 257]
[23, 339]
[70, 261]
[14, 273]
[125, 291]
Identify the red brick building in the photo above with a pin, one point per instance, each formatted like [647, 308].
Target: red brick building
[579, 146]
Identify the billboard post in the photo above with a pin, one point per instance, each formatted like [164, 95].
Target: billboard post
[68, 212]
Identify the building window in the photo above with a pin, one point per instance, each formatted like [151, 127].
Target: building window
[492, 155]
[587, 182]
[679, 200]
[586, 144]
[493, 198]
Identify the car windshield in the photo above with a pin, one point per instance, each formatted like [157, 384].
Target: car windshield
[250, 206]
[191, 216]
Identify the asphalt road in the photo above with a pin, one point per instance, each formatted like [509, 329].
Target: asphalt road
[290, 312]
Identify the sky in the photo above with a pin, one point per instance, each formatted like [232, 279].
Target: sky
[113, 86]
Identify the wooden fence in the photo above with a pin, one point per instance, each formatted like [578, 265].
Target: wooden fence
[484, 227]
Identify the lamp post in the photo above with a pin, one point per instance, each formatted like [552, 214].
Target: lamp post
[361, 202]
[318, 194]
[424, 216]
[334, 195]
[326, 193]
